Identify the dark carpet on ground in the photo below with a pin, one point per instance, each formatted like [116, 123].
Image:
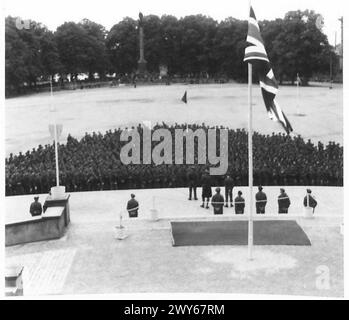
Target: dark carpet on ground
[235, 233]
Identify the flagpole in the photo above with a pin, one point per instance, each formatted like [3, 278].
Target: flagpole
[250, 163]
[298, 109]
[55, 135]
[250, 155]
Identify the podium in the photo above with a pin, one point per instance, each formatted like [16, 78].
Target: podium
[52, 224]
[62, 201]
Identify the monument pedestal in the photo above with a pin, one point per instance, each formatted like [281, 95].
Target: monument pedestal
[142, 68]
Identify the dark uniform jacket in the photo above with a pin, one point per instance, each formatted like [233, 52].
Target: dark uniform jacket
[192, 179]
[36, 209]
[312, 202]
[206, 187]
[284, 202]
[132, 208]
[261, 200]
[218, 203]
[229, 183]
[239, 205]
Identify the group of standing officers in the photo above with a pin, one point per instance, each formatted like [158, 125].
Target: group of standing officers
[219, 202]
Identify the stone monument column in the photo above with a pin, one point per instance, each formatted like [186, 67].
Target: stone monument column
[142, 63]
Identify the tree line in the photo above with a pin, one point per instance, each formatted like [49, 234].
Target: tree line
[192, 46]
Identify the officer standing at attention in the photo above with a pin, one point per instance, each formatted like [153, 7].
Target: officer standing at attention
[192, 179]
[36, 208]
[261, 201]
[309, 201]
[284, 202]
[218, 202]
[239, 204]
[206, 190]
[229, 186]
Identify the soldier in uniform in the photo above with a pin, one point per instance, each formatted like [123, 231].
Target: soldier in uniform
[192, 179]
[206, 190]
[239, 204]
[261, 201]
[133, 207]
[284, 202]
[229, 186]
[309, 201]
[35, 208]
[218, 202]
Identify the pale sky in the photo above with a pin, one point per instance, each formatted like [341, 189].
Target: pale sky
[109, 12]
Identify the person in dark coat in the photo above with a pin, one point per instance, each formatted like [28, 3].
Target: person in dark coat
[261, 201]
[206, 190]
[192, 181]
[239, 204]
[218, 202]
[309, 201]
[133, 207]
[284, 202]
[36, 208]
[229, 186]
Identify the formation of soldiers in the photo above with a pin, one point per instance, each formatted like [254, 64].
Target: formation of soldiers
[93, 163]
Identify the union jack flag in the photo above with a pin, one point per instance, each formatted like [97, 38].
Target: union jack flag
[256, 54]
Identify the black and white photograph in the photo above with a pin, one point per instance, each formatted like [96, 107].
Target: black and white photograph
[177, 149]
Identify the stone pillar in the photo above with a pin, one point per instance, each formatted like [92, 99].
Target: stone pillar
[142, 63]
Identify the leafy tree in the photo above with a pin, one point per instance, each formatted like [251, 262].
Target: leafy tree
[230, 43]
[49, 55]
[29, 54]
[81, 47]
[296, 45]
[98, 60]
[122, 46]
[16, 51]
[194, 45]
[169, 44]
[72, 41]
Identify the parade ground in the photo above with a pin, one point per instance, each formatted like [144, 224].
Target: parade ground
[89, 260]
[88, 110]
[184, 153]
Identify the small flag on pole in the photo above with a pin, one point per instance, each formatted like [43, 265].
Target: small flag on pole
[256, 54]
[185, 98]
